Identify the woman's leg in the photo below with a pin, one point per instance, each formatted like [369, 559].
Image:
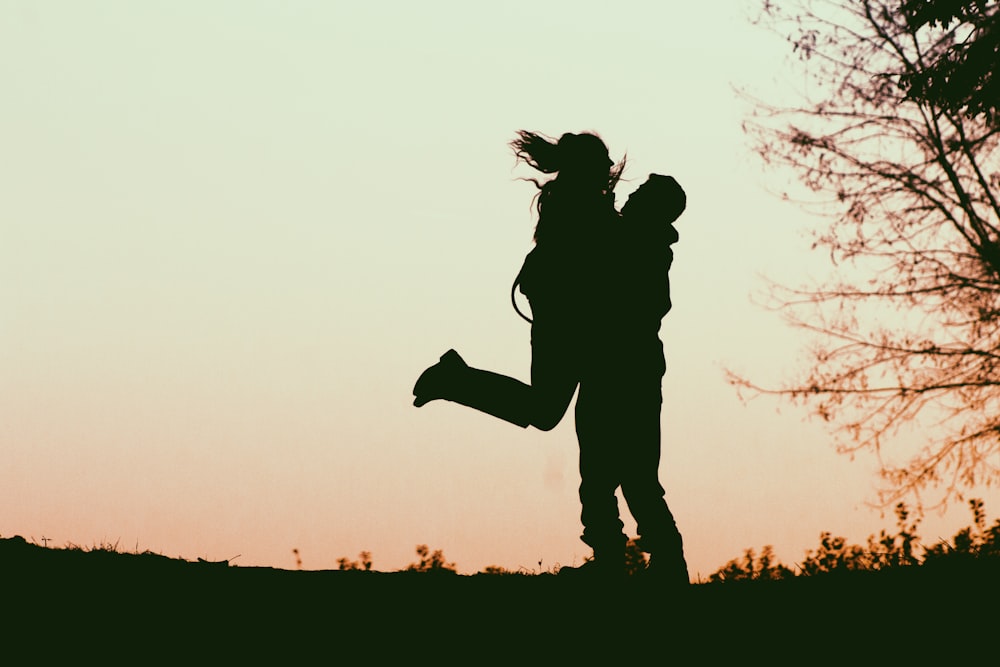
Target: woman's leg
[599, 435]
[554, 375]
[541, 404]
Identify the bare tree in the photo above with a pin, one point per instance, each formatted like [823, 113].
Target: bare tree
[907, 358]
[964, 76]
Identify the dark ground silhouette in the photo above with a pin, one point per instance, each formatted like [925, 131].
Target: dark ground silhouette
[142, 607]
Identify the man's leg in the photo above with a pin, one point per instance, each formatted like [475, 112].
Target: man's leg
[641, 487]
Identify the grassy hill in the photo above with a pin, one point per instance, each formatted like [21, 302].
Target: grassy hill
[206, 612]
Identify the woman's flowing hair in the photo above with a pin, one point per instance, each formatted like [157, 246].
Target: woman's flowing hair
[551, 156]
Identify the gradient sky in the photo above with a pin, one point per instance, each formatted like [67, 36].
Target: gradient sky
[232, 234]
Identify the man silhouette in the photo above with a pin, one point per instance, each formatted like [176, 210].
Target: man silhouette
[620, 395]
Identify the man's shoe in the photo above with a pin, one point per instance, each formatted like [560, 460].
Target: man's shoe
[668, 571]
[597, 569]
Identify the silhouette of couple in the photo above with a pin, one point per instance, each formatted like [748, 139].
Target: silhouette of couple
[597, 285]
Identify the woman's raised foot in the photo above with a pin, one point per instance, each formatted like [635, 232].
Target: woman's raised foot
[436, 381]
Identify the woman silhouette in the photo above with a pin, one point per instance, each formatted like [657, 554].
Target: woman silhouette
[581, 259]
[575, 214]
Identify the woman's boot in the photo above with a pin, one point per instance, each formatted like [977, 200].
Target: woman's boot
[453, 380]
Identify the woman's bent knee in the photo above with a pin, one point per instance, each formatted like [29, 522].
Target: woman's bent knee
[546, 423]
[549, 403]
[547, 417]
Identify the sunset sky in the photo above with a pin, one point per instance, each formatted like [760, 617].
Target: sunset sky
[233, 233]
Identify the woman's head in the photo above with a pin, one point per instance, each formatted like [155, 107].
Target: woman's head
[576, 159]
[585, 178]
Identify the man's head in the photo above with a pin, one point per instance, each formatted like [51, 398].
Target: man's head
[660, 198]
